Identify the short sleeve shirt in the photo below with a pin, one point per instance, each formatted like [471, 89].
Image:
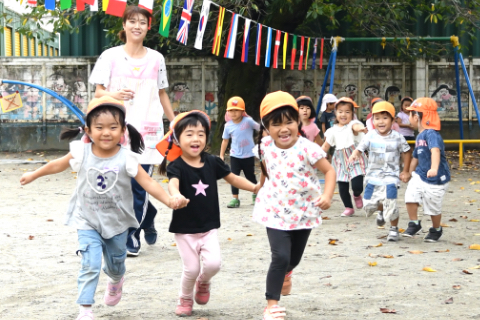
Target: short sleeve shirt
[426, 140]
[342, 137]
[202, 213]
[383, 156]
[406, 132]
[286, 200]
[242, 137]
[328, 118]
[311, 131]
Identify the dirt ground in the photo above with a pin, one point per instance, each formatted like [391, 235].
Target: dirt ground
[38, 265]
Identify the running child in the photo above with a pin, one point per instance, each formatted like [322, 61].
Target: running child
[344, 136]
[369, 122]
[101, 208]
[307, 118]
[327, 119]
[291, 201]
[194, 173]
[239, 127]
[429, 167]
[385, 147]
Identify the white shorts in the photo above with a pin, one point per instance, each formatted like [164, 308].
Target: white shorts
[429, 196]
[375, 195]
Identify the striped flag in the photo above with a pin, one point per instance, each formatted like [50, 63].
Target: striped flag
[80, 5]
[246, 38]
[94, 6]
[218, 32]
[306, 53]
[50, 4]
[65, 4]
[277, 47]
[146, 4]
[294, 52]
[268, 52]
[182, 35]
[285, 45]
[202, 24]
[259, 44]
[116, 7]
[300, 59]
[232, 38]
[314, 53]
[321, 54]
[165, 18]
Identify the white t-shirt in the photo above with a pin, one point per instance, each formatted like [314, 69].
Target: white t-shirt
[343, 137]
[116, 70]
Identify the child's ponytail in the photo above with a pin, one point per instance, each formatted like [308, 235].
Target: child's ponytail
[136, 140]
[162, 169]
[260, 136]
[71, 133]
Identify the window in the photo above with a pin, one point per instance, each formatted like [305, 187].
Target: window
[17, 45]
[51, 51]
[32, 47]
[45, 50]
[56, 52]
[8, 41]
[39, 49]
[25, 46]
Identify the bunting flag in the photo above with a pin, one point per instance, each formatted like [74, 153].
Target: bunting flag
[115, 7]
[218, 32]
[94, 6]
[259, 44]
[65, 4]
[165, 19]
[321, 53]
[246, 38]
[146, 4]
[314, 53]
[232, 37]
[89, 2]
[31, 3]
[277, 47]
[300, 59]
[268, 52]
[202, 24]
[182, 35]
[50, 4]
[80, 5]
[306, 53]
[294, 52]
[285, 45]
[104, 5]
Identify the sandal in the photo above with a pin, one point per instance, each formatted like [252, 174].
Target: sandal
[274, 313]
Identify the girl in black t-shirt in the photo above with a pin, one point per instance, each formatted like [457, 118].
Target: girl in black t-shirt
[193, 173]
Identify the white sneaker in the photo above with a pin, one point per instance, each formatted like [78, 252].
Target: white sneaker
[85, 315]
[380, 218]
[393, 234]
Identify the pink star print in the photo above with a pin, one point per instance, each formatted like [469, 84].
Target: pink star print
[200, 187]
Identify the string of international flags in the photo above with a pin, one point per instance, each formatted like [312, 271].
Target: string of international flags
[117, 7]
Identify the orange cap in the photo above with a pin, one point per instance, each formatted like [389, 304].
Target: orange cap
[346, 100]
[428, 108]
[175, 151]
[277, 100]
[235, 103]
[384, 106]
[105, 101]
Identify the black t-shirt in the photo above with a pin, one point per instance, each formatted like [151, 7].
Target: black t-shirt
[202, 213]
[328, 118]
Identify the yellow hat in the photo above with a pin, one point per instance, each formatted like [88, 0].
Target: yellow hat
[105, 101]
[275, 100]
[236, 103]
[346, 100]
[384, 106]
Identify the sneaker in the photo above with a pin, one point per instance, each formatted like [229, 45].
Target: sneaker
[150, 235]
[85, 315]
[393, 234]
[380, 219]
[254, 197]
[184, 307]
[202, 292]
[412, 229]
[133, 251]
[113, 294]
[433, 235]
[287, 284]
[234, 203]
[358, 202]
[348, 212]
[274, 313]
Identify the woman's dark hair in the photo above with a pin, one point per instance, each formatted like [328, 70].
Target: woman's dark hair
[308, 103]
[129, 12]
[342, 103]
[191, 120]
[277, 116]
[136, 140]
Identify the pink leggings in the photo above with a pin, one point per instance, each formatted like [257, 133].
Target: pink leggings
[192, 249]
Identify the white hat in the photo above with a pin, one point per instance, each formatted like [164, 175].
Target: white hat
[328, 98]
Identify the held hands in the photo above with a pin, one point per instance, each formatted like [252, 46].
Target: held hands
[124, 94]
[257, 188]
[323, 202]
[178, 201]
[353, 157]
[405, 176]
[432, 173]
[26, 178]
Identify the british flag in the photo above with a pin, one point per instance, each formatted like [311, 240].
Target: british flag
[182, 34]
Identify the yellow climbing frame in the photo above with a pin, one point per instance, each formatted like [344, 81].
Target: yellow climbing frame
[460, 146]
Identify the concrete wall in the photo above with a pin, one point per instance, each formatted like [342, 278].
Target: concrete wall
[193, 84]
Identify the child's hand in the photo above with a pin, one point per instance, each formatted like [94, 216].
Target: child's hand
[405, 177]
[178, 201]
[26, 178]
[323, 202]
[364, 130]
[432, 173]
[353, 158]
[257, 188]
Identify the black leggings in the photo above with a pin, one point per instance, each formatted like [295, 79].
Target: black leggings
[343, 189]
[247, 165]
[287, 249]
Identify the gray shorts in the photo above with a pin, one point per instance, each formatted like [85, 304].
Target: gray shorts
[429, 196]
[386, 195]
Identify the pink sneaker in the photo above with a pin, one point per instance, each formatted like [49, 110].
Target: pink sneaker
[85, 315]
[348, 212]
[113, 294]
[184, 307]
[358, 202]
[202, 292]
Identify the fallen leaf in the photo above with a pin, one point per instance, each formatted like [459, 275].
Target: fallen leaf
[382, 237]
[457, 259]
[474, 220]
[474, 247]
[440, 251]
[372, 264]
[49, 220]
[326, 218]
[469, 179]
[466, 272]
[249, 235]
[472, 183]
[429, 269]
[453, 220]
[476, 267]
[449, 301]
[31, 237]
[380, 227]
[229, 239]
[464, 217]
[165, 181]
[29, 159]
[387, 256]
[458, 243]
[385, 310]
[328, 284]
[462, 188]
[416, 252]
[332, 242]
[378, 245]
[373, 255]
[174, 244]
[335, 193]
[325, 277]
[444, 225]
[401, 230]
[456, 287]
